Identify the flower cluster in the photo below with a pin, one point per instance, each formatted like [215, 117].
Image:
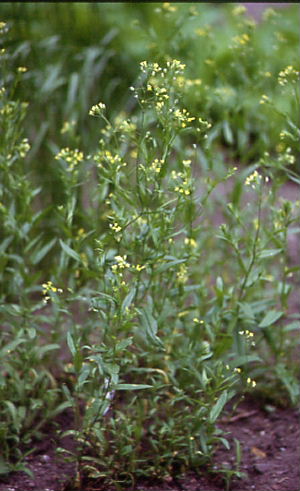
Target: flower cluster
[288, 75]
[111, 159]
[72, 157]
[181, 275]
[115, 227]
[184, 186]
[23, 147]
[248, 335]
[49, 287]
[157, 165]
[121, 263]
[241, 40]
[203, 127]
[287, 157]
[97, 109]
[253, 180]
[182, 117]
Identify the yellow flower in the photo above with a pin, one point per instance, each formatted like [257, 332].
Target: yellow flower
[49, 287]
[191, 242]
[121, 262]
[168, 7]
[253, 179]
[264, 99]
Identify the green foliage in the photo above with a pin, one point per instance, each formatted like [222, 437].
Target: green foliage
[144, 281]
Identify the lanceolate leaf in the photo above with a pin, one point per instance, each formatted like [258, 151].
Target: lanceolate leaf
[270, 318]
[70, 252]
[217, 408]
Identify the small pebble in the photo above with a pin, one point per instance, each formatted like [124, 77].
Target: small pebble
[45, 458]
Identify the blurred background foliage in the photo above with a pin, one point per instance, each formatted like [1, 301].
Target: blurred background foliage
[80, 53]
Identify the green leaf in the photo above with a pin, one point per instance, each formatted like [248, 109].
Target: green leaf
[70, 252]
[123, 344]
[292, 326]
[243, 360]
[71, 344]
[8, 348]
[4, 467]
[128, 299]
[37, 256]
[131, 386]
[247, 311]
[48, 347]
[269, 253]
[227, 132]
[270, 318]
[168, 265]
[217, 408]
[150, 326]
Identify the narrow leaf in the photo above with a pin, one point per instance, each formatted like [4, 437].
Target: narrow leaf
[270, 318]
[217, 408]
[131, 386]
[70, 252]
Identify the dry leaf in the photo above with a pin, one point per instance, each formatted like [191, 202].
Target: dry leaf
[258, 453]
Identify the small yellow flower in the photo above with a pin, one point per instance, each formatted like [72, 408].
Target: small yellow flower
[71, 157]
[115, 227]
[264, 99]
[190, 242]
[121, 262]
[289, 74]
[182, 274]
[49, 287]
[241, 40]
[22, 69]
[168, 7]
[253, 179]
